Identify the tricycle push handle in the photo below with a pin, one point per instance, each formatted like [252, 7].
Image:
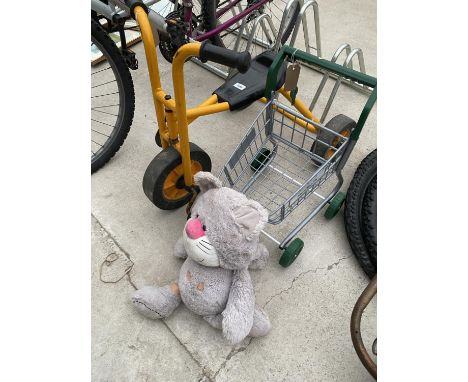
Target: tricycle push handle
[223, 56]
[131, 4]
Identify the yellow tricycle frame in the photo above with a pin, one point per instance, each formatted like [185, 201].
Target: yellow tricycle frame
[172, 115]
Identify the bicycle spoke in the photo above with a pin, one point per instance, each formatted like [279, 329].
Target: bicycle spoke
[104, 112]
[100, 133]
[102, 123]
[104, 83]
[99, 71]
[281, 10]
[103, 95]
[96, 143]
[100, 107]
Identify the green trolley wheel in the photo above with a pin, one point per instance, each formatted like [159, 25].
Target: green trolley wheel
[335, 205]
[260, 160]
[291, 252]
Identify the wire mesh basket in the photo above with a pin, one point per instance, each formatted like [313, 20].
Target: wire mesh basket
[275, 163]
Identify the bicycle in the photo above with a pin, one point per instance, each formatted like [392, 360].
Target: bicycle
[113, 97]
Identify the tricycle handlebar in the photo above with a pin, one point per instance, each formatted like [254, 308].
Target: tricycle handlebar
[223, 56]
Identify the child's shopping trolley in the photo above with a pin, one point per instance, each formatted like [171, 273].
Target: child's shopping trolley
[286, 156]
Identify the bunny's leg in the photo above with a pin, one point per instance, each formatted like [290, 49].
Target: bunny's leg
[261, 323]
[157, 302]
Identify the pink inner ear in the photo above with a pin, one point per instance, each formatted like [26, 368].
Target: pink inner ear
[194, 229]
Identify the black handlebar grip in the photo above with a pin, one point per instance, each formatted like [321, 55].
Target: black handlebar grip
[133, 3]
[223, 56]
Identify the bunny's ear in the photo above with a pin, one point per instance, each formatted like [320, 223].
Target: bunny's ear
[206, 181]
[250, 217]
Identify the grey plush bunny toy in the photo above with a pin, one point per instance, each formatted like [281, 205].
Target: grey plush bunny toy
[220, 241]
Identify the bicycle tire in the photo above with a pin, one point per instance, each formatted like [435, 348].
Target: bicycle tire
[365, 173]
[126, 91]
[369, 220]
[209, 19]
[291, 24]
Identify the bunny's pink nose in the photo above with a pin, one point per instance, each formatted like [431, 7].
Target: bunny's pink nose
[194, 229]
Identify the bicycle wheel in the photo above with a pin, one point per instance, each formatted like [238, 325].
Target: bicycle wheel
[265, 34]
[362, 179]
[112, 98]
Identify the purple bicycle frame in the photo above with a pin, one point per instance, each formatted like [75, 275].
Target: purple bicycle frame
[232, 3]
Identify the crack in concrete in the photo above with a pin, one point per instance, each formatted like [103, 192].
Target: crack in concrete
[234, 351]
[314, 270]
[129, 279]
[205, 370]
[205, 377]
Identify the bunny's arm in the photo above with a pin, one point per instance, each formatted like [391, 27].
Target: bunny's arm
[239, 312]
[179, 250]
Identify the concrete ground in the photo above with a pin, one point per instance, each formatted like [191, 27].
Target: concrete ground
[309, 303]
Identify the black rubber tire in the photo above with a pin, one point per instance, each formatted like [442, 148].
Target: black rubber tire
[369, 220]
[365, 173]
[291, 24]
[339, 123]
[209, 19]
[159, 169]
[126, 97]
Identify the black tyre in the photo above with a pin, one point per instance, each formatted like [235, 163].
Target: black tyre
[361, 181]
[163, 182]
[290, 22]
[112, 99]
[325, 140]
[369, 220]
[209, 19]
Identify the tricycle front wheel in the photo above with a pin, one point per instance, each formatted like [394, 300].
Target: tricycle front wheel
[163, 182]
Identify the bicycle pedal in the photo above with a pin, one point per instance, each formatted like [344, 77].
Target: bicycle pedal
[130, 58]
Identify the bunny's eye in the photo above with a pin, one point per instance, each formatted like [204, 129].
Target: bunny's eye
[204, 227]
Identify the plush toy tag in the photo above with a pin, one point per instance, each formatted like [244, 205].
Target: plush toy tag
[292, 76]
